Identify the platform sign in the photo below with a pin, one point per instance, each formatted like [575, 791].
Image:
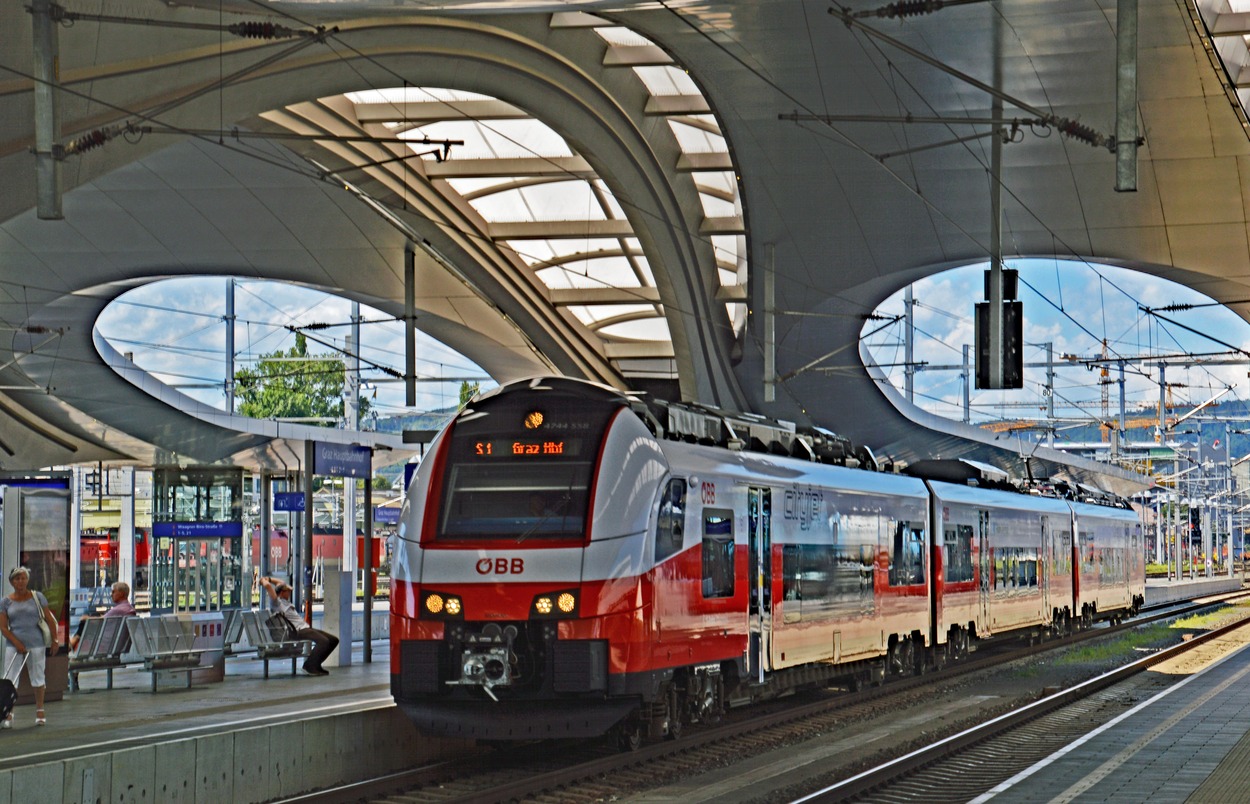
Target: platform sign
[197, 530]
[288, 501]
[342, 460]
[388, 515]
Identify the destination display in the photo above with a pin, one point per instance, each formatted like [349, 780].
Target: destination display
[525, 447]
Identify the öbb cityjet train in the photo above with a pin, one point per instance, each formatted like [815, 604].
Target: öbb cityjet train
[572, 560]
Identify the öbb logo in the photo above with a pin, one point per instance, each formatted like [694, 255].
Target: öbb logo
[500, 566]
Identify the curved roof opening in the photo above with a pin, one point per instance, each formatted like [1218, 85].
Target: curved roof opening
[1094, 336]
[177, 330]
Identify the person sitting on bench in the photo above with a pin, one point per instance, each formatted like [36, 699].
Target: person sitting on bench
[323, 643]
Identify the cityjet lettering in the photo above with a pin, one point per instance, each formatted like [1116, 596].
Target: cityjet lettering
[803, 505]
[500, 566]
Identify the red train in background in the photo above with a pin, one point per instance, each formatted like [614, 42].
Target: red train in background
[573, 561]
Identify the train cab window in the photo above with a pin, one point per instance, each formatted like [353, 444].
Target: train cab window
[671, 523]
[957, 553]
[520, 469]
[718, 553]
[907, 555]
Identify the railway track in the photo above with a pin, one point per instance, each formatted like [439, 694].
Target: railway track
[581, 772]
[963, 766]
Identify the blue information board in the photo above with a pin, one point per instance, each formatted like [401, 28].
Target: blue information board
[288, 501]
[387, 516]
[342, 460]
[197, 530]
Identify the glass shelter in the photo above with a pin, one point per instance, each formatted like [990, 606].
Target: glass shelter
[197, 525]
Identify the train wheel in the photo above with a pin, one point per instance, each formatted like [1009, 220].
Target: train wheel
[959, 644]
[674, 714]
[919, 657]
[894, 660]
[940, 654]
[902, 658]
[629, 735]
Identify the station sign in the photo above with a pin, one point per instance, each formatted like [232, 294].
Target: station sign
[388, 515]
[196, 530]
[342, 460]
[288, 501]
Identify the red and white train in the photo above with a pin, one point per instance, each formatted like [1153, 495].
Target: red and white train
[572, 560]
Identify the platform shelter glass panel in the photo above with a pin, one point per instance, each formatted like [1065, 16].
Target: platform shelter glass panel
[197, 524]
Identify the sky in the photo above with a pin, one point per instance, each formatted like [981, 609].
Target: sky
[176, 330]
[1073, 305]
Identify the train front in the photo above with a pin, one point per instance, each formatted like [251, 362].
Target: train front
[516, 608]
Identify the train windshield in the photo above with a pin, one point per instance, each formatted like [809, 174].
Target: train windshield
[520, 468]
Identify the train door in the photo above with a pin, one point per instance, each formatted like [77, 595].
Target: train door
[1044, 564]
[759, 535]
[985, 559]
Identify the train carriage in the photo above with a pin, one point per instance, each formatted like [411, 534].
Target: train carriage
[833, 558]
[1006, 563]
[1111, 556]
[571, 560]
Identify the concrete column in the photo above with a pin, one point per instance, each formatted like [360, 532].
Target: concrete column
[126, 530]
[75, 523]
[340, 594]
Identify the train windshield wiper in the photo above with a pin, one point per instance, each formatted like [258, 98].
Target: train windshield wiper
[557, 510]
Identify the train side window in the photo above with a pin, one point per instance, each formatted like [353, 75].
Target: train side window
[718, 553]
[907, 555]
[957, 553]
[791, 582]
[671, 523]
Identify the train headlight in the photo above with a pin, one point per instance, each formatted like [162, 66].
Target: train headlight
[442, 606]
[555, 605]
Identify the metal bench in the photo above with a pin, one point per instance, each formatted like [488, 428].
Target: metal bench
[272, 639]
[233, 643]
[164, 645]
[104, 640]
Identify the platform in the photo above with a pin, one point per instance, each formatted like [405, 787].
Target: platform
[1160, 590]
[244, 739]
[1190, 742]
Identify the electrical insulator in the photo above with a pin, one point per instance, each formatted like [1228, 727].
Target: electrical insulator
[1078, 131]
[914, 8]
[87, 142]
[254, 30]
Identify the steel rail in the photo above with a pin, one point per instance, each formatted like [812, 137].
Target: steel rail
[902, 766]
[538, 783]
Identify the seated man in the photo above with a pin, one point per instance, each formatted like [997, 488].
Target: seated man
[323, 643]
[122, 607]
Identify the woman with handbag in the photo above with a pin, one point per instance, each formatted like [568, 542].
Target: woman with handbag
[30, 628]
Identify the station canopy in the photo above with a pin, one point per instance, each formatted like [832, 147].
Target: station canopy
[547, 211]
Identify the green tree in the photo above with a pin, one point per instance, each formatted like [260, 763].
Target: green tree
[294, 385]
[467, 390]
